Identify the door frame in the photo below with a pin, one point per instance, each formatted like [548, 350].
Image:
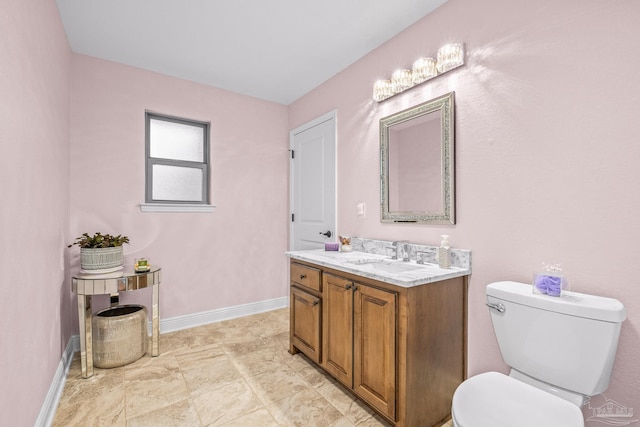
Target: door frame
[318, 120]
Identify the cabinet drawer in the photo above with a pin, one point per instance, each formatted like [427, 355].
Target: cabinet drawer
[306, 276]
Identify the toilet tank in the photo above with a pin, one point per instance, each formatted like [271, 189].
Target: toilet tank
[568, 342]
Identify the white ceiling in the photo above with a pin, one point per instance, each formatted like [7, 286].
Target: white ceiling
[276, 50]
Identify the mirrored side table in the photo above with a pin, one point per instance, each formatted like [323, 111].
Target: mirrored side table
[86, 287]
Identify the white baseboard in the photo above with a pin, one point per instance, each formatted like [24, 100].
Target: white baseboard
[48, 410]
[205, 317]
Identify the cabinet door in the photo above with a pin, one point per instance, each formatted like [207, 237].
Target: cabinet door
[305, 323]
[337, 328]
[375, 347]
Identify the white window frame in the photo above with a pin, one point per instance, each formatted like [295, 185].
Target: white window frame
[152, 205]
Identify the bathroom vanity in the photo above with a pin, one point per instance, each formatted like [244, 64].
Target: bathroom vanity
[392, 332]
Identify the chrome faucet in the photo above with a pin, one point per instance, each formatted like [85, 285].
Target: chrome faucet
[401, 249]
[420, 257]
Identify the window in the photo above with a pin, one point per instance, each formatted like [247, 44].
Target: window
[177, 161]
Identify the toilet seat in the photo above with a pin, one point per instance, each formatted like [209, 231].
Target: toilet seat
[493, 399]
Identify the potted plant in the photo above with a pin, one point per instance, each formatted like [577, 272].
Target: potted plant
[100, 251]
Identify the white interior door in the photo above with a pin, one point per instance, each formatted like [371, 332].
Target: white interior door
[313, 183]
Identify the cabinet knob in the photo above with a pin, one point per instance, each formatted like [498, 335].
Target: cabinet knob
[303, 276]
[315, 303]
[347, 286]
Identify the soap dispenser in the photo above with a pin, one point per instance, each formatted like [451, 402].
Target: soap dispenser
[444, 252]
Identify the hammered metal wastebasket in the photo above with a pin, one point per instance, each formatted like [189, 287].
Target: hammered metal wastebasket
[119, 335]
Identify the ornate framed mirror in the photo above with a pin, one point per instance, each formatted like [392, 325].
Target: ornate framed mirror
[417, 163]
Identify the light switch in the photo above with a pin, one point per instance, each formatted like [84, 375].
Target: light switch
[361, 210]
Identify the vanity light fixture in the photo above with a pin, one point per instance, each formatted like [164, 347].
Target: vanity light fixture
[382, 90]
[449, 56]
[424, 69]
[401, 80]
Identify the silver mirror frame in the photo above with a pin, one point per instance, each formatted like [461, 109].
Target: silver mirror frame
[444, 103]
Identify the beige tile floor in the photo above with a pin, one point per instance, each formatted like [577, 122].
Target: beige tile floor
[232, 373]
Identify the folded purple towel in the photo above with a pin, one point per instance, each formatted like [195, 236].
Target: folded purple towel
[550, 285]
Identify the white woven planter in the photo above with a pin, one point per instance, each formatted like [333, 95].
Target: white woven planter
[101, 258]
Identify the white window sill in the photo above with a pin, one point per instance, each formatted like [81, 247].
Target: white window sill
[175, 207]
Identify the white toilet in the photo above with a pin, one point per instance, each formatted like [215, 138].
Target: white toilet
[560, 350]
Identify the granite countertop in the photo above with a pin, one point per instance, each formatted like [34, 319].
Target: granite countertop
[380, 267]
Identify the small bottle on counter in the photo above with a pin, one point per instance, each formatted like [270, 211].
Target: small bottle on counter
[444, 252]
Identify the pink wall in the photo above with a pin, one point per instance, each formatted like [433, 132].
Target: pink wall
[210, 260]
[34, 192]
[546, 151]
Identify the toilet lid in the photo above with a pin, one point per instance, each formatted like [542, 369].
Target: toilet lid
[497, 400]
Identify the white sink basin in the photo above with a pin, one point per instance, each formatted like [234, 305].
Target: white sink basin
[388, 266]
[395, 268]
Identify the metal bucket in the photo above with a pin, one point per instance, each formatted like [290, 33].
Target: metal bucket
[119, 335]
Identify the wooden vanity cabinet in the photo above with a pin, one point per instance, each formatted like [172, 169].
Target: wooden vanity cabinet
[306, 310]
[359, 339]
[337, 329]
[402, 350]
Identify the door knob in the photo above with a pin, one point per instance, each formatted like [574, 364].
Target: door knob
[328, 233]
